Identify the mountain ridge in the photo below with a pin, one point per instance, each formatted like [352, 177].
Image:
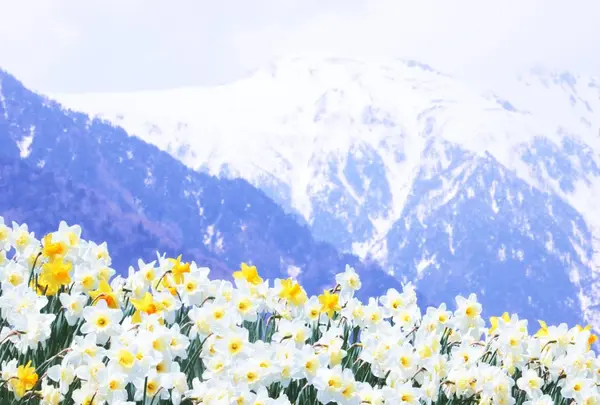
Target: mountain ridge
[350, 146]
[131, 236]
[228, 220]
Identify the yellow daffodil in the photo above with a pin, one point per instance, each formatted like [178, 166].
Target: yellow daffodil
[179, 269]
[146, 305]
[168, 285]
[105, 293]
[543, 330]
[25, 380]
[330, 303]
[55, 274]
[494, 321]
[53, 249]
[292, 292]
[248, 273]
[592, 338]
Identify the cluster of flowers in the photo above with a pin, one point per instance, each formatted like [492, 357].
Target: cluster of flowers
[71, 332]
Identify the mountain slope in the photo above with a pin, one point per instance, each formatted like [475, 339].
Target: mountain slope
[227, 220]
[455, 188]
[41, 200]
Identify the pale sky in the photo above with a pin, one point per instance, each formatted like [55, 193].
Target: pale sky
[63, 46]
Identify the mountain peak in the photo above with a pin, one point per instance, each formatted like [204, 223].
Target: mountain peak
[222, 221]
[396, 162]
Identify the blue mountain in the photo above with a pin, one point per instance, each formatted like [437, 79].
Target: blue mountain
[57, 164]
[455, 188]
[40, 199]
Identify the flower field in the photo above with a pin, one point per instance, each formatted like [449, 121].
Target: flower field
[74, 332]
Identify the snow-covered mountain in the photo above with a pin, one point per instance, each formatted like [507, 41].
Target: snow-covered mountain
[62, 165]
[456, 188]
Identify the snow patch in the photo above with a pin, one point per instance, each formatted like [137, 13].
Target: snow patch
[518, 254]
[426, 261]
[449, 231]
[149, 180]
[495, 207]
[208, 235]
[549, 242]
[294, 271]
[3, 101]
[24, 144]
[502, 253]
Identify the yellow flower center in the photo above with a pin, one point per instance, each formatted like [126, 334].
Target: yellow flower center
[101, 321]
[87, 282]
[90, 351]
[334, 383]
[406, 398]
[3, 232]
[15, 279]
[22, 240]
[125, 359]
[244, 305]
[347, 392]
[235, 346]
[161, 367]
[152, 387]
[251, 376]
[471, 311]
